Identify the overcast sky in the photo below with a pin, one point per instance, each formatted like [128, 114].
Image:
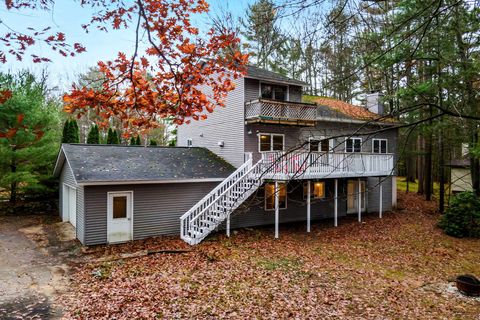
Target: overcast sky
[68, 17]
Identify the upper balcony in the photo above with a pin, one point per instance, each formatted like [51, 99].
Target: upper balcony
[282, 112]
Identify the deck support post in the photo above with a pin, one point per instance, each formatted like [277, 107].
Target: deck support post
[228, 226]
[359, 201]
[335, 206]
[380, 213]
[308, 205]
[277, 204]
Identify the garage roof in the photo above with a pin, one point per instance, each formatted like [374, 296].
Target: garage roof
[104, 164]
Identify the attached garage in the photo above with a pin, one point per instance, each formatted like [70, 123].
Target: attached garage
[115, 193]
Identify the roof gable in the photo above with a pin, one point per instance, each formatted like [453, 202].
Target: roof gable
[266, 75]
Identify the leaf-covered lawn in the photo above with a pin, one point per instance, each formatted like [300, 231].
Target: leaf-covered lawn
[398, 267]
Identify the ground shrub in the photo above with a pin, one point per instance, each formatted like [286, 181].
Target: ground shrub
[462, 218]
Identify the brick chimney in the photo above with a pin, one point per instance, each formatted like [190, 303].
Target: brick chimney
[375, 103]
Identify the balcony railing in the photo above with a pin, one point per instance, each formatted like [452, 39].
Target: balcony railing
[312, 165]
[264, 110]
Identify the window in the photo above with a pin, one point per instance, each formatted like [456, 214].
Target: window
[189, 142]
[317, 189]
[353, 145]
[380, 146]
[322, 145]
[271, 142]
[274, 92]
[119, 207]
[270, 196]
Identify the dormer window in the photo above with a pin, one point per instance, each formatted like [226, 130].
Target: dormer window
[273, 91]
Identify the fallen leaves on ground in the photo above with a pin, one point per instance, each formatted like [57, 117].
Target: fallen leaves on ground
[388, 268]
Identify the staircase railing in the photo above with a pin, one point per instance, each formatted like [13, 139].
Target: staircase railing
[218, 204]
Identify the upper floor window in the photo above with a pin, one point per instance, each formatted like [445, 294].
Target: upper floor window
[274, 92]
[271, 142]
[380, 146]
[353, 145]
[322, 145]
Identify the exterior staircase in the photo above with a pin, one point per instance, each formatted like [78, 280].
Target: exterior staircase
[216, 207]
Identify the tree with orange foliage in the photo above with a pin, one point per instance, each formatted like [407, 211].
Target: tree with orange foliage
[29, 135]
[164, 79]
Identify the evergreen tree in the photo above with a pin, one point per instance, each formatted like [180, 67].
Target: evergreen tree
[70, 132]
[153, 142]
[93, 135]
[27, 154]
[110, 136]
[115, 139]
[133, 141]
[75, 131]
[138, 141]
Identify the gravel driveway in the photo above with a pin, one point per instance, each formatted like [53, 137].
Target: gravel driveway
[34, 255]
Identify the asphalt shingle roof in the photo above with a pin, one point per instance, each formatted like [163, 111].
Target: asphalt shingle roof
[262, 74]
[113, 163]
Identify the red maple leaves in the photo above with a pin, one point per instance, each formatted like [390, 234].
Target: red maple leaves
[170, 79]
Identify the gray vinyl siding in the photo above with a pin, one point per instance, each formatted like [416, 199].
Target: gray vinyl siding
[223, 124]
[253, 212]
[156, 208]
[295, 93]
[252, 89]
[373, 194]
[66, 176]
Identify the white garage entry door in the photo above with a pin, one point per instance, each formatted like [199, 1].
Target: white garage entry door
[69, 208]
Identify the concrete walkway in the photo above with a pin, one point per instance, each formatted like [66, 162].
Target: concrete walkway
[34, 252]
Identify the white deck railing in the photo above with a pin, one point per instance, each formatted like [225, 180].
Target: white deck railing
[279, 110]
[312, 165]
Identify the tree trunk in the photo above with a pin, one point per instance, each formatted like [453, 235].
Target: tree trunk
[420, 164]
[13, 185]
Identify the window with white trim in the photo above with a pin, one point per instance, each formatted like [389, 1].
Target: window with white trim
[317, 189]
[380, 146]
[270, 195]
[189, 142]
[353, 145]
[271, 142]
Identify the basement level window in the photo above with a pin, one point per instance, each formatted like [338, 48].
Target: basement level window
[270, 196]
[317, 189]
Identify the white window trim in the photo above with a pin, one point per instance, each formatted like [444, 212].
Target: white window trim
[380, 145]
[330, 142]
[189, 142]
[353, 138]
[312, 194]
[286, 197]
[273, 84]
[271, 141]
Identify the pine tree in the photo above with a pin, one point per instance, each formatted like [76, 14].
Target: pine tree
[153, 142]
[93, 135]
[133, 141]
[75, 131]
[110, 136]
[139, 141]
[115, 139]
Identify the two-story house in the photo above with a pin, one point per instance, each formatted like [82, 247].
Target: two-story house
[264, 158]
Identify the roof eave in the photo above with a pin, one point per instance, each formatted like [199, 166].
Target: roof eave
[295, 83]
[127, 182]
